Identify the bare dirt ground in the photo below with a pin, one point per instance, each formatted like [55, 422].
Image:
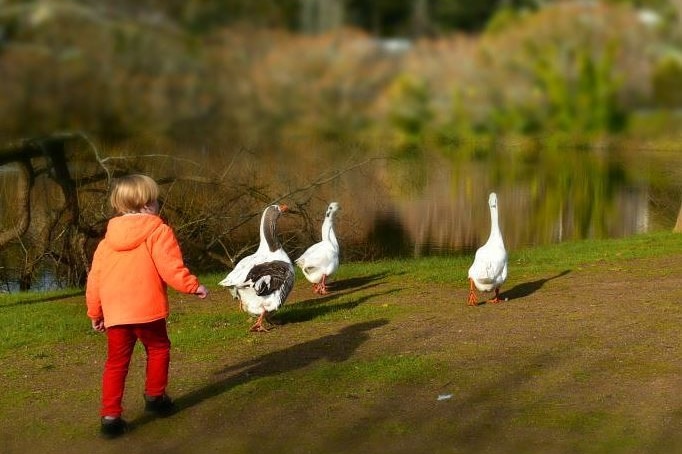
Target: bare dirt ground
[582, 360]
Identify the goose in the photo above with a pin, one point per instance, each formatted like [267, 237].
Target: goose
[263, 280]
[321, 259]
[489, 270]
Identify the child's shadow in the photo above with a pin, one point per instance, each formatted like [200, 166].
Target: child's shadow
[334, 347]
[528, 288]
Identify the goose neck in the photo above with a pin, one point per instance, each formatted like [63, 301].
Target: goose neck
[268, 234]
[495, 232]
[328, 232]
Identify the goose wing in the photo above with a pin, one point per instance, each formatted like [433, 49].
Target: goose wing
[319, 255]
[270, 277]
[320, 259]
[238, 275]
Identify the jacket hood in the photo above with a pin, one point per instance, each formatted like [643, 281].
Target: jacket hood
[129, 231]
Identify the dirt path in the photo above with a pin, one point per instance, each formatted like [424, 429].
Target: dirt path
[582, 358]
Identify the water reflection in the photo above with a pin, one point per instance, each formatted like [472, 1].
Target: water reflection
[545, 197]
[424, 202]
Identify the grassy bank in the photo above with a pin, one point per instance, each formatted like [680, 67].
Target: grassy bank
[583, 357]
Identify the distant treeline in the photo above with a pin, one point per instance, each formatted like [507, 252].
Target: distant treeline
[382, 18]
[139, 70]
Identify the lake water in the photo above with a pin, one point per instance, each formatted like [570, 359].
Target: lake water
[419, 203]
[438, 205]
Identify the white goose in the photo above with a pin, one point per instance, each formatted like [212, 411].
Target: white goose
[489, 270]
[321, 259]
[262, 281]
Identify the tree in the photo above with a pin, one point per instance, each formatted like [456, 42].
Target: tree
[318, 16]
[62, 236]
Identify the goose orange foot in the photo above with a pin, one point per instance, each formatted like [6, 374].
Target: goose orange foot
[473, 301]
[496, 299]
[321, 287]
[258, 326]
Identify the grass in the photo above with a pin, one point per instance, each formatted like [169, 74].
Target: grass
[584, 357]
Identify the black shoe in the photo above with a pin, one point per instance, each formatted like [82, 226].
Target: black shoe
[112, 428]
[160, 405]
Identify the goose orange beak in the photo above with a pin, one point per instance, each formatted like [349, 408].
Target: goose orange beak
[283, 208]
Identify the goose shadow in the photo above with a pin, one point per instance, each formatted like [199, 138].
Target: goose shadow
[335, 348]
[344, 287]
[355, 282]
[311, 309]
[528, 288]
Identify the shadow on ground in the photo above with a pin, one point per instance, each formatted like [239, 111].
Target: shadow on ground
[334, 348]
[528, 288]
[355, 282]
[310, 310]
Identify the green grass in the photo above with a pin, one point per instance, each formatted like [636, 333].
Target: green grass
[560, 368]
[32, 319]
[575, 254]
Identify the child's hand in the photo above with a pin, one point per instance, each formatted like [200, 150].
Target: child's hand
[201, 292]
[98, 325]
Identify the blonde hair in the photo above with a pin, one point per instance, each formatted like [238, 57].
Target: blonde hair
[132, 193]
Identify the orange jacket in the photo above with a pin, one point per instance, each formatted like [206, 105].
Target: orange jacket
[138, 256]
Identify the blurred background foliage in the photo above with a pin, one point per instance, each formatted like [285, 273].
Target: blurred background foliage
[197, 71]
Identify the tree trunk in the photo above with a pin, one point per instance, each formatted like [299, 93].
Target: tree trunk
[319, 16]
[421, 23]
[678, 224]
[23, 203]
[61, 236]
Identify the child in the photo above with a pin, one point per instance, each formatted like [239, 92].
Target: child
[126, 296]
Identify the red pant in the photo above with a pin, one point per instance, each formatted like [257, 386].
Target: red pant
[121, 341]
